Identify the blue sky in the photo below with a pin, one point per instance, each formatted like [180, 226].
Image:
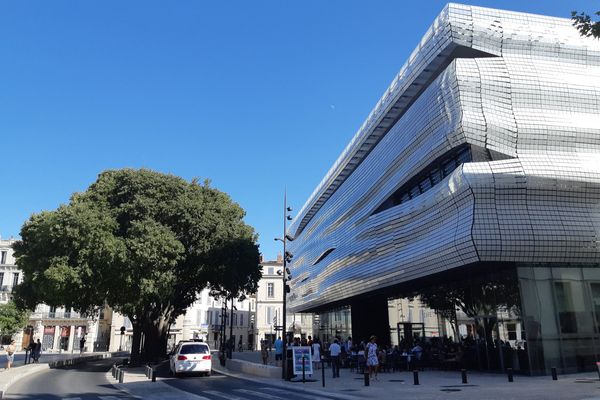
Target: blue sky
[254, 95]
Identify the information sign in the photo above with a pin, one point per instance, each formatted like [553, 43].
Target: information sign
[301, 356]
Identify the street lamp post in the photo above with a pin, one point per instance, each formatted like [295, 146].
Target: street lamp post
[287, 256]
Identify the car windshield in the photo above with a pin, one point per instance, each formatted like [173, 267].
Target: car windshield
[194, 349]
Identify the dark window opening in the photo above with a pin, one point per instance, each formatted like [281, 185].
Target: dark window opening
[322, 256]
[430, 176]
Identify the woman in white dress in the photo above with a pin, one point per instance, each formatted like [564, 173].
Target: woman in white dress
[316, 353]
[372, 359]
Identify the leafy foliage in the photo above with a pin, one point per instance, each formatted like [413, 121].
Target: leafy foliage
[12, 319]
[145, 243]
[584, 24]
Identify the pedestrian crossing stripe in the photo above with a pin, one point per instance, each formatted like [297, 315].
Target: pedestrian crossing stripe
[296, 394]
[223, 395]
[99, 397]
[260, 394]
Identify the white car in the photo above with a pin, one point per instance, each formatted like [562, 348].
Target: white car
[190, 358]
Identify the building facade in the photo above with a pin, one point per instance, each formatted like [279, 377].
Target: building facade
[478, 172]
[269, 301]
[205, 319]
[58, 329]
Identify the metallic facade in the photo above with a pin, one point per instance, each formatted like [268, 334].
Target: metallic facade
[485, 148]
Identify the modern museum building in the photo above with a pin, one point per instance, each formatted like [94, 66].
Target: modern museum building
[474, 183]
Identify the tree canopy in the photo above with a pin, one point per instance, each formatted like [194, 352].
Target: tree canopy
[12, 319]
[143, 242]
[585, 25]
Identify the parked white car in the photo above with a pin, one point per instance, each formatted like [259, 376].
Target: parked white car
[191, 357]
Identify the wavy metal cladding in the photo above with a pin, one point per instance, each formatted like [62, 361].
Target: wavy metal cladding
[519, 94]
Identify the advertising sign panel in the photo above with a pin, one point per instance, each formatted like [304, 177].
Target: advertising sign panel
[301, 356]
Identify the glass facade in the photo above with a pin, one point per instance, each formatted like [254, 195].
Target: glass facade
[406, 202]
[560, 314]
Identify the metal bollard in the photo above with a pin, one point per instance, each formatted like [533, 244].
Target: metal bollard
[323, 372]
[114, 371]
[121, 376]
[463, 372]
[416, 377]
[366, 374]
[510, 374]
[554, 374]
[303, 369]
[153, 373]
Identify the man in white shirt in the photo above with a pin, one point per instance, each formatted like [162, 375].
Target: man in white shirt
[334, 353]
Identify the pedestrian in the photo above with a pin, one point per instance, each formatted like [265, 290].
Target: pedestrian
[10, 354]
[316, 352]
[334, 353]
[30, 349]
[264, 353]
[278, 351]
[372, 360]
[82, 344]
[37, 351]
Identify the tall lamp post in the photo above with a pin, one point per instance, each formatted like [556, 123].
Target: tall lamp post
[285, 274]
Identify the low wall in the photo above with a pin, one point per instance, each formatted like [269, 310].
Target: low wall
[264, 371]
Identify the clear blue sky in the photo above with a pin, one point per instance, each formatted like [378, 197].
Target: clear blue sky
[255, 95]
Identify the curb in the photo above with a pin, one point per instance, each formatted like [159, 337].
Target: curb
[4, 386]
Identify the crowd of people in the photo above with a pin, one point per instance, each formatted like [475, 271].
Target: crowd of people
[373, 357]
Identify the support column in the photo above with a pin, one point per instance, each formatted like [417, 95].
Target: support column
[56, 344]
[370, 317]
[71, 338]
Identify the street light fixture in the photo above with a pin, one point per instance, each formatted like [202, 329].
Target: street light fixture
[286, 276]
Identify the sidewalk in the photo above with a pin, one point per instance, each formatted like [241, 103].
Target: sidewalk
[434, 385]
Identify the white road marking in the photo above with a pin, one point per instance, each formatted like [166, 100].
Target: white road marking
[304, 396]
[223, 395]
[259, 394]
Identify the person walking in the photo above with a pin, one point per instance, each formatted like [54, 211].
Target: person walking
[10, 354]
[316, 352]
[278, 351]
[264, 352]
[81, 344]
[334, 353]
[372, 360]
[37, 350]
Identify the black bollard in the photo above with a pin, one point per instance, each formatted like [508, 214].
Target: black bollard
[303, 369]
[416, 377]
[121, 375]
[463, 372]
[510, 374]
[323, 371]
[153, 374]
[554, 375]
[366, 374]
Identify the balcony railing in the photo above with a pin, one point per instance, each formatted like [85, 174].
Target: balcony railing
[56, 315]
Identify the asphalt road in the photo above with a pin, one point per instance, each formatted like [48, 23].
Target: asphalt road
[219, 387]
[88, 382]
[84, 382]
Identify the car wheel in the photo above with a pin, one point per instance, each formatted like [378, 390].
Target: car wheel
[207, 373]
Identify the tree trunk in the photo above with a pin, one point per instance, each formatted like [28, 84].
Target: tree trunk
[136, 341]
[155, 339]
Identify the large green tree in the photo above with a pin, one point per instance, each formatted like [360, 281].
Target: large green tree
[12, 319]
[585, 25]
[143, 242]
